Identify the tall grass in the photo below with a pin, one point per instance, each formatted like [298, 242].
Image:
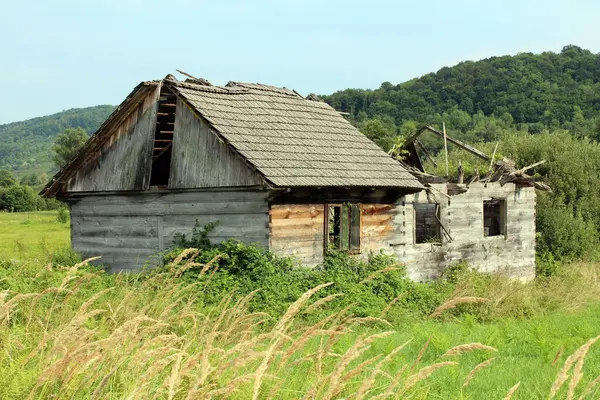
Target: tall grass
[70, 332]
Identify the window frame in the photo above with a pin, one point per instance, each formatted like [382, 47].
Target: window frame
[353, 247]
[502, 217]
[439, 233]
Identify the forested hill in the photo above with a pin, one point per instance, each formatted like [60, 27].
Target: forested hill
[539, 90]
[478, 101]
[26, 146]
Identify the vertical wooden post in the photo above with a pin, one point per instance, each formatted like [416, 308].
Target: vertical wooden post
[445, 147]
[461, 173]
[493, 155]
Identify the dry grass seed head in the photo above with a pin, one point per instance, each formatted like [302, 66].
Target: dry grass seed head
[425, 372]
[477, 368]
[370, 381]
[512, 391]
[278, 332]
[562, 376]
[588, 389]
[465, 348]
[578, 369]
[322, 301]
[455, 302]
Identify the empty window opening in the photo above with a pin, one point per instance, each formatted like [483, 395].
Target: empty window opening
[427, 223]
[494, 217]
[342, 227]
[163, 139]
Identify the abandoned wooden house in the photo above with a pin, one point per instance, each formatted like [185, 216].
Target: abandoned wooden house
[284, 171]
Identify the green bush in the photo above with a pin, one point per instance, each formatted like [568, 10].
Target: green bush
[369, 286]
[18, 198]
[63, 215]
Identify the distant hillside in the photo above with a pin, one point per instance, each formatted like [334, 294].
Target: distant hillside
[478, 101]
[543, 89]
[25, 146]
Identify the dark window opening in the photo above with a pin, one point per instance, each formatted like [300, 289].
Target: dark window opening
[342, 227]
[427, 223]
[162, 146]
[494, 217]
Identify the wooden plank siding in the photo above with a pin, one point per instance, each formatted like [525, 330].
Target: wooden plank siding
[128, 229]
[200, 159]
[124, 161]
[297, 230]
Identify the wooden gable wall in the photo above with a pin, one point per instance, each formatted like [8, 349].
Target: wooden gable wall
[200, 159]
[124, 161]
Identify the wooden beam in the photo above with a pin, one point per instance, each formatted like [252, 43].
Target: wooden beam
[162, 152]
[493, 155]
[446, 147]
[456, 142]
[422, 148]
[522, 170]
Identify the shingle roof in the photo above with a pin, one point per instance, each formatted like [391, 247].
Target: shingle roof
[291, 140]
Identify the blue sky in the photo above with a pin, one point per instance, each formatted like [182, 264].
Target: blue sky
[63, 54]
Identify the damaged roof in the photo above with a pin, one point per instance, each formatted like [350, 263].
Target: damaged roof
[293, 141]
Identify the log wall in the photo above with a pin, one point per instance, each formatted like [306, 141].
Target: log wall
[298, 229]
[127, 230]
[125, 160]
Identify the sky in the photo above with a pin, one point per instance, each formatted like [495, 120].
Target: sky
[77, 53]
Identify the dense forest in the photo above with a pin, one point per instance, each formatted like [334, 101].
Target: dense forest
[480, 101]
[25, 146]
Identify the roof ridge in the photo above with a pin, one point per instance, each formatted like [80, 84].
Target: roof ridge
[264, 87]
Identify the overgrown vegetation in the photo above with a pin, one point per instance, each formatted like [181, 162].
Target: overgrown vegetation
[72, 331]
[18, 196]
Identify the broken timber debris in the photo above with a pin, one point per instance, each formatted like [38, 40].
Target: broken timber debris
[502, 171]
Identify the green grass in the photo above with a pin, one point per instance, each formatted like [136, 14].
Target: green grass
[53, 349]
[31, 236]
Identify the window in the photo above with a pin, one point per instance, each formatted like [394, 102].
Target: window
[494, 217]
[342, 227]
[427, 223]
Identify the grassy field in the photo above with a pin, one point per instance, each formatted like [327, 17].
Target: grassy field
[73, 332]
[31, 236]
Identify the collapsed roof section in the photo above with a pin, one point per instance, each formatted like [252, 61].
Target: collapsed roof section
[502, 171]
[292, 141]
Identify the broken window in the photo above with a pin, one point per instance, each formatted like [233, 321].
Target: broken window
[163, 139]
[494, 217]
[427, 223]
[342, 227]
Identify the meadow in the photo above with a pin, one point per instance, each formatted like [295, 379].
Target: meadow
[69, 331]
[31, 236]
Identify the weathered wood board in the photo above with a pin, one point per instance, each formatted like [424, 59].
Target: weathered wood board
[200, 159]
[125, 161]
[128, 229]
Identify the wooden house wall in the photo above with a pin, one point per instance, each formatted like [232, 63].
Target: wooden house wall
[462, 216]
[128, 229]
[200, 159]
[124, 162]
[298, 230]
